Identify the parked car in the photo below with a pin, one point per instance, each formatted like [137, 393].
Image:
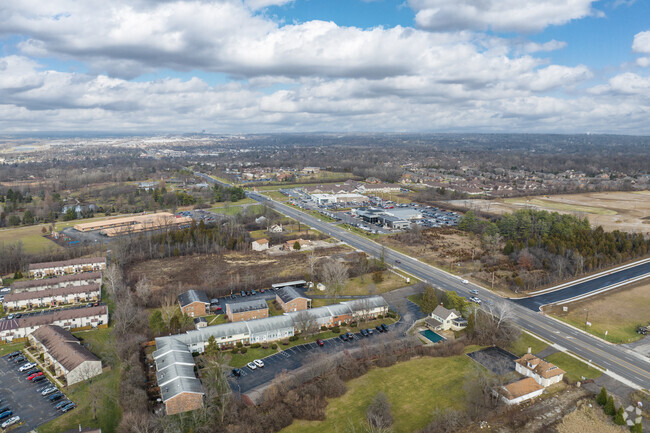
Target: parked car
[259, 363]
[32, 371]
[12, 355]
[34, 376]
[379, 328]
[10, 421]
[384, 327]
[44, 387]
[6, 290]
[48, 391]
[236, 372]
[6, 414]
[261, 290]
[251, 365]
[364, 332]
[214, 301]
[19, 359]
[56, 396]
[253, 292]
[218, 309]
[343, 337]
[243, 293]
[27, 366]
[320, 342]
[68, 408]
[39, 378]
[60, 404]
[369, 331]
[4, 408]
[11, 316]
[350, 336]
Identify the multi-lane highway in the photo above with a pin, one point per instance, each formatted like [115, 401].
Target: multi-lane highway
[622, 362]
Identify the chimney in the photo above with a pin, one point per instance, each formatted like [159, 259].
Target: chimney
[529, 349]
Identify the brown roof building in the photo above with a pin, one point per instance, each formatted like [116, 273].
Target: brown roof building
[542, 371]
[519, 391]
[64, 354]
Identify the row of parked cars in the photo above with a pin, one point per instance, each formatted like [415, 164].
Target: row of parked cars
[47, 389]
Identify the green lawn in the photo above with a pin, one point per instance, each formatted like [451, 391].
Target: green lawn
[240, 360]
[358, 231]
[320, 216]
[103, 389]
[31, 237]
[274, 311]
[217, 319]
[390, 282]
[574, 368]
[233, 203]
[525, 340]
[414, 388]
[12, 347]
[234, 210]
[277, 196]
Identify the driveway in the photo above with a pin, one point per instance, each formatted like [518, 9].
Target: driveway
[21, 397]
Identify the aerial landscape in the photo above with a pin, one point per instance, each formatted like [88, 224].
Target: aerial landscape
[327, 216]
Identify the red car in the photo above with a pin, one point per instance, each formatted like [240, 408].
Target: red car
[320, 342]
[40, 373]
[218, 309]
[261, 290]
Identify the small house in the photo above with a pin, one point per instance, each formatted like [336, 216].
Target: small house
[442, 319]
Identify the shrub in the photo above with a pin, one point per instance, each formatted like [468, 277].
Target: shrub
[618, 418]
[377, 277]
[353, 324]
[285, 342]
[379, 413]
[255, 345]
[344, 324]
[235, 349]
[336, 330]
[240, 344]
[293, 338]
[323, 328]
[380, 316]
[244, 349]
[602, 397]
[274, 346]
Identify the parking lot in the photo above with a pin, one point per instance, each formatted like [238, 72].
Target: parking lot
[292, 359]
[21, 397]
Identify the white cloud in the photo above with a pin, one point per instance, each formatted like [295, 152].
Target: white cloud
[498, 15]
[641, 43]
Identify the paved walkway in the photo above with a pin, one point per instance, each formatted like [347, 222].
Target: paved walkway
[642, 346]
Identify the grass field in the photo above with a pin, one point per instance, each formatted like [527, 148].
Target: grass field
[525, 340]
[356, 286]
[274, 311]
[552, 205]
[413, 387]
[234, 203]
[617, 312]
[277, 196]
[235, 209]
[103, 389]
[241, 359]
[574, 368]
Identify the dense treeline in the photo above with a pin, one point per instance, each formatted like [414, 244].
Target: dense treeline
[223, 193]
[547, 246]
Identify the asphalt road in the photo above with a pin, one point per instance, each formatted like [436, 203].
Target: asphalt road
[618, 360]
[534, 302]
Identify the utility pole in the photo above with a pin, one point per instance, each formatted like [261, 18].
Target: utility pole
[492, 280]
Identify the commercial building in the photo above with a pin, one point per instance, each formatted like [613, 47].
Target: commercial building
[194, 303]
[64, 354]
[180, 390]
[247, 310]
[323, 199]
[291, 299]
[135, 224]
[73, 266]
[52, 297]
[69, 318]
[382, 217]
[82, 279]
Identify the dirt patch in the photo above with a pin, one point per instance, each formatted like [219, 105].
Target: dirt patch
[588, 417]
[619, 210]
[618, 312]
[219, 274]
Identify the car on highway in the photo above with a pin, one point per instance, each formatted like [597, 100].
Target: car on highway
[475, 299]
[259, 363]
[398, 262]
[251, 365]
[11, 421]
[320, 342]
[464, 281]
[27, 366]
[474, 292]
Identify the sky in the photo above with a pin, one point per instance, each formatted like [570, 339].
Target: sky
[272, 66]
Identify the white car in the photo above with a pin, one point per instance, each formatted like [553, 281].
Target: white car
[27, 366]
[259, 363]
[251, 365]
[464, 281]
[50, 390]
[10, 421]
[475, 300]
[474, 292]
[6, 290]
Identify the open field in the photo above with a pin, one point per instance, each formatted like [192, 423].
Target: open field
[621, 210]
[102, 389]
[617, 312]
[414, 388]
[234, 209]
[356, 286]
[525, 340]
[574, 368]
[234, 203]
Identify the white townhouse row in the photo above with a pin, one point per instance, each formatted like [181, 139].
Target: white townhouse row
[73, 266]
[67, 318]
[82, 279]
[51, 297]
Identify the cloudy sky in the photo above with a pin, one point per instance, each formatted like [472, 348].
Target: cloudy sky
[237, 66]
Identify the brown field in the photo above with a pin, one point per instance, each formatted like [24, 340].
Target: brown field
[625, 210]
[236, 270]
[588, 419]
[618, 312]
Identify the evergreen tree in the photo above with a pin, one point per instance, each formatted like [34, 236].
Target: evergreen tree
[429, 300]
[610, 407]
[618, 418]
[602, 397]
[296, 245]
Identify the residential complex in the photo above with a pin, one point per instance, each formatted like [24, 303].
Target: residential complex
[81, 279]
[52, 297]
[73, 266]
[247, 310]
[194, 303]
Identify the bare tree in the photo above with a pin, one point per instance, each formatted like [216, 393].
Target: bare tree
[312, 260]
[379, 415]
[168, 309]
[334, 274]
[114, 280]
[306, 323]
[143, 290]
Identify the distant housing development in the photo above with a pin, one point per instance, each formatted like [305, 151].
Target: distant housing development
[73, 266]
[52, 296]
[184, 391]
[63, 352]
[82, 279]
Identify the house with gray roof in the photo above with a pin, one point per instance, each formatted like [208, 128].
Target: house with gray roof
[442, 319]
[194, 303]
[180, 390]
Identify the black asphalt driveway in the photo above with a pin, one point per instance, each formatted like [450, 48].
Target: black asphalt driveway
[20, 395]
[534, 302]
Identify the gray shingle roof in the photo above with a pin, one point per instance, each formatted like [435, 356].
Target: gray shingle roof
[186, 298]
[174, 371]
[372, 302]
[444, 313]
[289, 283]
[253, 304]
[289, 293]
[269, 324]
[172, 358]
[179, 386]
